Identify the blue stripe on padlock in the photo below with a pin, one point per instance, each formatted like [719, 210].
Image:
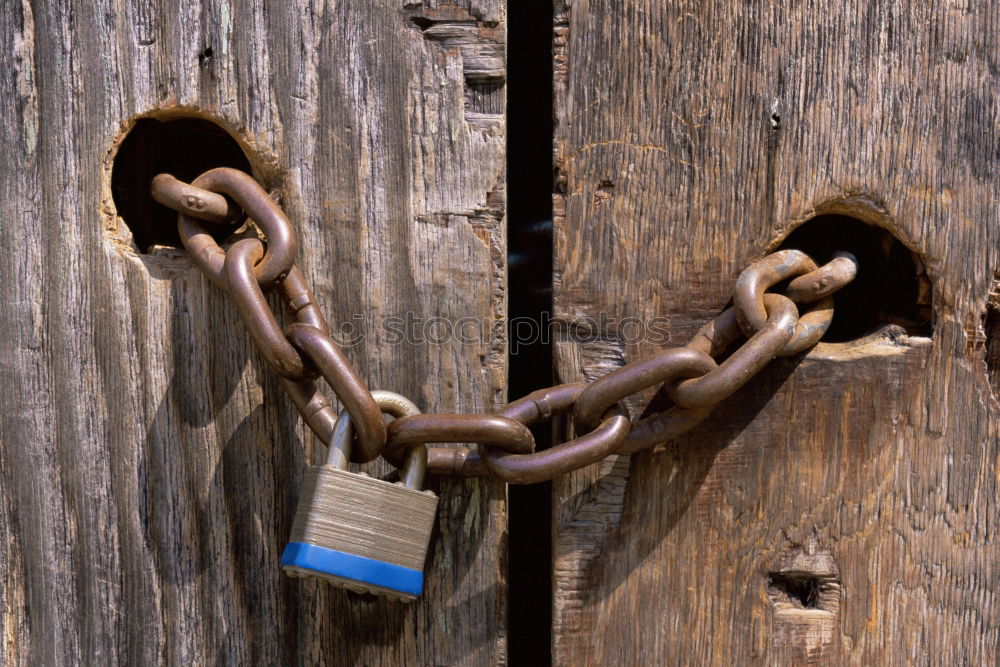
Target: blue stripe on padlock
[350, 566]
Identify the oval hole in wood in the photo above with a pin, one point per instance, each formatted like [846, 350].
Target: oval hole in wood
[182, 146]
[892, 286]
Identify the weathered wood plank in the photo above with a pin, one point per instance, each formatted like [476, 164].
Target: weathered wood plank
[692, 137]
[150, 463]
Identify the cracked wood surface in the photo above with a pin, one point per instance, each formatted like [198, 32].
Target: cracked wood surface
[840, 509]
[150, 463]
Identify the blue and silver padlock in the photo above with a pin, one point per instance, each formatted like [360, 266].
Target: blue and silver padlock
[362, 533]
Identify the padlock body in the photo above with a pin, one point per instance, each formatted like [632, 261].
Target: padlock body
[361, 533]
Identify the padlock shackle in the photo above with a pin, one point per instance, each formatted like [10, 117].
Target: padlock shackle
[414, 463]
[414, 467]
[339, 453]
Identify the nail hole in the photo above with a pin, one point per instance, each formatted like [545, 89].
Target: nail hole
[891, 287]
[184, 147]
[205, 57]
[605, 190]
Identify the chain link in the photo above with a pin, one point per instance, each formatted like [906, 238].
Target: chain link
[265, 213]
[505, 449]
[584, 450]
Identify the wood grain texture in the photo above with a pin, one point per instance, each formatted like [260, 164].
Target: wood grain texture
[150, 463]
[692, 136]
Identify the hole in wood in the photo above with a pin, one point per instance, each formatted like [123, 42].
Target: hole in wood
[800, 591]
[205, 57]
[421, 22]
[789, 591]
[184, 147]
[805, 578]
[991, 329]
[891, 288]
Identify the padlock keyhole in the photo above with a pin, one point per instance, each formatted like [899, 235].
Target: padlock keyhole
[184, 147]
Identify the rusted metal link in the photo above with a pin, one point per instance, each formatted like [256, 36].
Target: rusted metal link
[257, 315]
[196, 202]
[264, 211]
[458, 461]
[662, 427]
[825, 280]
[564, 457]
[300, 302]
[319, 415]
[314, 407]
[605, 391]
[810, 328]
[715, 337]
[333, 365]
[813, 285]
[495, 430]
[711, 340]
[309, 334]
[504, 445]
[748, 295]
[745, 362]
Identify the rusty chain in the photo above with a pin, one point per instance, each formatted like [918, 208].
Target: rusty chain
[693, 376]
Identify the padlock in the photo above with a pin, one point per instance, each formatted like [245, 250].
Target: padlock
[361, 533]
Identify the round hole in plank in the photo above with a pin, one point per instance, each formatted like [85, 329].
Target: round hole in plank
[891, 286]
[184, 147]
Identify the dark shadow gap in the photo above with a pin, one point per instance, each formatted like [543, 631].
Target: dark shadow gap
[991, 342]
[530, 367]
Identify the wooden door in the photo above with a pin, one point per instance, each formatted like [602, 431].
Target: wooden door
[150, 462]
[692, 138]
[838, 510]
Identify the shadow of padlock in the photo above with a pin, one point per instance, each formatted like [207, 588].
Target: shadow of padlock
[362, 533]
